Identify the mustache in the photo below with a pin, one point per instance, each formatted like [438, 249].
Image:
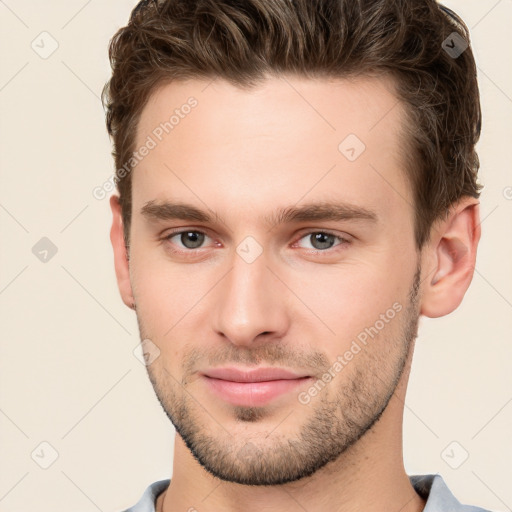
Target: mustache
[270, 354]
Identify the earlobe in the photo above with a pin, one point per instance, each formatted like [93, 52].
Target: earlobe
[451, 256]
[121, 260]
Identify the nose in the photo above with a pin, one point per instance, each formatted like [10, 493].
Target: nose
[251, 303]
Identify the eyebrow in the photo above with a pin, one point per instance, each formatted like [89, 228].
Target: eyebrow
[318, 211]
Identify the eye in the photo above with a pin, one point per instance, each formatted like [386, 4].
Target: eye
[189, 239]
[322, 240]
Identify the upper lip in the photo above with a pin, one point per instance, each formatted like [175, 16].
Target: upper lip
[256, 375]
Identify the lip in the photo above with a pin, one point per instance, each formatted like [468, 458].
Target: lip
[252, 387]
[255, 375]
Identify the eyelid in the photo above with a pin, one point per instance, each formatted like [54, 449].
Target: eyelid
[344, 239]
[178, 231]
[342, 235]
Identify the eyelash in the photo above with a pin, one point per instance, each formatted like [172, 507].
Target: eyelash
[343, 241]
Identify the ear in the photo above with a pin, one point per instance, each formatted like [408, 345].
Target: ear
[451, 257]
[120, 253]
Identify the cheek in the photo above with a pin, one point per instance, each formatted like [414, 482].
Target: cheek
[164, 306]
[167, 294]
[346, 301]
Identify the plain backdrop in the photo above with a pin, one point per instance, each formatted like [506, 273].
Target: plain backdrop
[73, 395]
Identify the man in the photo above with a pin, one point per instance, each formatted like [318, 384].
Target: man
[297, 185]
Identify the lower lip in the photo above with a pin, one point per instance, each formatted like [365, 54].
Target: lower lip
[251, 394]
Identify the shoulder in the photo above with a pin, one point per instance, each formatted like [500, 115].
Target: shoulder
[148, 498]
[439, 498]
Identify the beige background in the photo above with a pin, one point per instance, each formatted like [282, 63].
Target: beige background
[68, 373]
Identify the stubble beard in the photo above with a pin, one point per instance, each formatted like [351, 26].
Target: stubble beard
[335, 423]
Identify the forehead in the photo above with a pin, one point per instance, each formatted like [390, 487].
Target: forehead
[331, 105]
[273, 144]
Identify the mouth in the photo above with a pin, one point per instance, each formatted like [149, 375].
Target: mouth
[252, 388]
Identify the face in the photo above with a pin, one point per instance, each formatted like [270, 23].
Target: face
[273, 228]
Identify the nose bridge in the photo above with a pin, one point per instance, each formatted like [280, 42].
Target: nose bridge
[248, 302]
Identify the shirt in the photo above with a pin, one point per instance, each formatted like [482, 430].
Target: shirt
[431, 488]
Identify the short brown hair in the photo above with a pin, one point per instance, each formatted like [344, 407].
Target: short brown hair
[243, 41]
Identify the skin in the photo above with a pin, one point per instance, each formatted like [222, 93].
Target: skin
[241, 155]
